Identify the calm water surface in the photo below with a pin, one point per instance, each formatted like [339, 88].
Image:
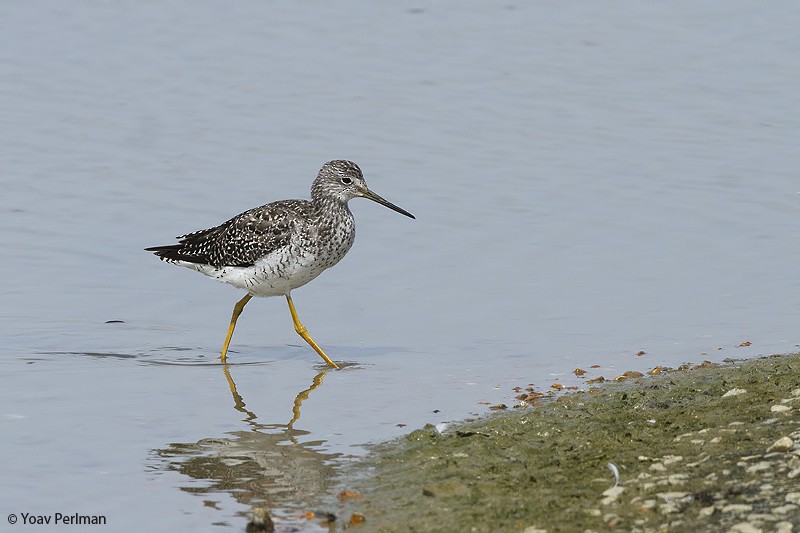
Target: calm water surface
[589, 181]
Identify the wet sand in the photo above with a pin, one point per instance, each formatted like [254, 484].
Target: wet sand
[705, 449]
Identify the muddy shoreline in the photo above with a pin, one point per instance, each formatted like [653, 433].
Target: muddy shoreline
[704, 449]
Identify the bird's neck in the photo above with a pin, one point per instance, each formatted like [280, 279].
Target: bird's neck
[332, 208]
[337, 223]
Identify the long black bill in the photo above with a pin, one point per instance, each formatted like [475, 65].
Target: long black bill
[375, 198]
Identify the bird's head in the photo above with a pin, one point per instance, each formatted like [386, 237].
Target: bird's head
[343, 180]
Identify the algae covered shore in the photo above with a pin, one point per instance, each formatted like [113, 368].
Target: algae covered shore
[709, 449]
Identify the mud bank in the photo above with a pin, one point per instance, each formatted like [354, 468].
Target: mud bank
[708, 449]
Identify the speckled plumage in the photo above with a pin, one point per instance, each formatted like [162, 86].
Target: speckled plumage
[273, 249]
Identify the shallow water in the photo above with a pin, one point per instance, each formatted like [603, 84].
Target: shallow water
[588, 183]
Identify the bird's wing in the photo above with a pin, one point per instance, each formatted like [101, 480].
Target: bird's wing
[243, 239]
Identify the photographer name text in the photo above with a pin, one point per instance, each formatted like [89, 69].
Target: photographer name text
[58, 519]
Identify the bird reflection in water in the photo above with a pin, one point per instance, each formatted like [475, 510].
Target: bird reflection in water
[239, 405]
[265, 467]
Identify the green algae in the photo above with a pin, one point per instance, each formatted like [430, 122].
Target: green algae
[687, 456]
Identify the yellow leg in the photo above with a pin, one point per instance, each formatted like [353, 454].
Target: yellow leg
[237, 310]
[303, 332]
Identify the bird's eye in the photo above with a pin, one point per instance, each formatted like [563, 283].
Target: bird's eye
[347, 181]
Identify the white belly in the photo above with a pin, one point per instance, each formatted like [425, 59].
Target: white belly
[273, 275]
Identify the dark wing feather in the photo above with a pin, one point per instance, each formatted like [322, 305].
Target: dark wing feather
[242, 240]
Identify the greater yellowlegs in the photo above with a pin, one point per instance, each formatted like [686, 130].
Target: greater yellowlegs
[273, 249]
